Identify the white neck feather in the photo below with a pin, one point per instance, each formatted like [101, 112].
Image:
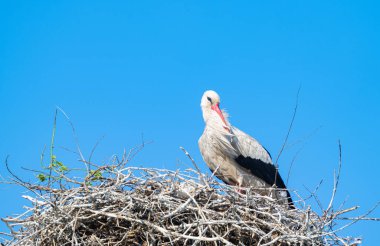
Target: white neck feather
[213, 120]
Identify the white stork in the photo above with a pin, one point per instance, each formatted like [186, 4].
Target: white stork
[234, 156]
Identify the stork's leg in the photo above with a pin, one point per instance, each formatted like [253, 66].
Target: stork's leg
[239, 189]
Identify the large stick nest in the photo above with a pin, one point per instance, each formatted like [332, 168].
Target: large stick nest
[146, 206]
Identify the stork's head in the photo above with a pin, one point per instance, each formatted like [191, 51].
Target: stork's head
[212, 114]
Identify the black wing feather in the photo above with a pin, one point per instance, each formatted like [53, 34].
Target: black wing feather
[264, 171]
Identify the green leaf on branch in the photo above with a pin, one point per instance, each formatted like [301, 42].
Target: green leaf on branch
[95, 174]
[41, 177]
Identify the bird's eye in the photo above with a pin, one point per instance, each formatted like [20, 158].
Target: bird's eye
[208, 98]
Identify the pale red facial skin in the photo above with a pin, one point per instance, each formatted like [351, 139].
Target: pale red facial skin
[219, 112]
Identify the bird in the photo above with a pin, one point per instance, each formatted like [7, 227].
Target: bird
[234, 156]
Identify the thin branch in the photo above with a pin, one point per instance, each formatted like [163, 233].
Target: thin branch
[51, 164]
[336, 179]
[291, 164]
[75, 137]
[93, 149]
[287, 135]
[10, 171]
[201, 176]
[289, 129]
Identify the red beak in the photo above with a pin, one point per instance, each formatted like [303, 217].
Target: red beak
[217, 109]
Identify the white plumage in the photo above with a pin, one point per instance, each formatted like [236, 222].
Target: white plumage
[235, 157]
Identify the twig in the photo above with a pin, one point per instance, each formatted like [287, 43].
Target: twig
[93, 150]
[290, 128]
[75, 137]
[336, 179]
[196, 166]
[287, 135]
[52, 147]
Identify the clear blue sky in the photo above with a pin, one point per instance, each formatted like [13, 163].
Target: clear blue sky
[121, 69]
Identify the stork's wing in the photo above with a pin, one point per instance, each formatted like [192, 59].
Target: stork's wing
[247, 146]
[267, 173]
[264, 171]
[257, 160]
[254, 157]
